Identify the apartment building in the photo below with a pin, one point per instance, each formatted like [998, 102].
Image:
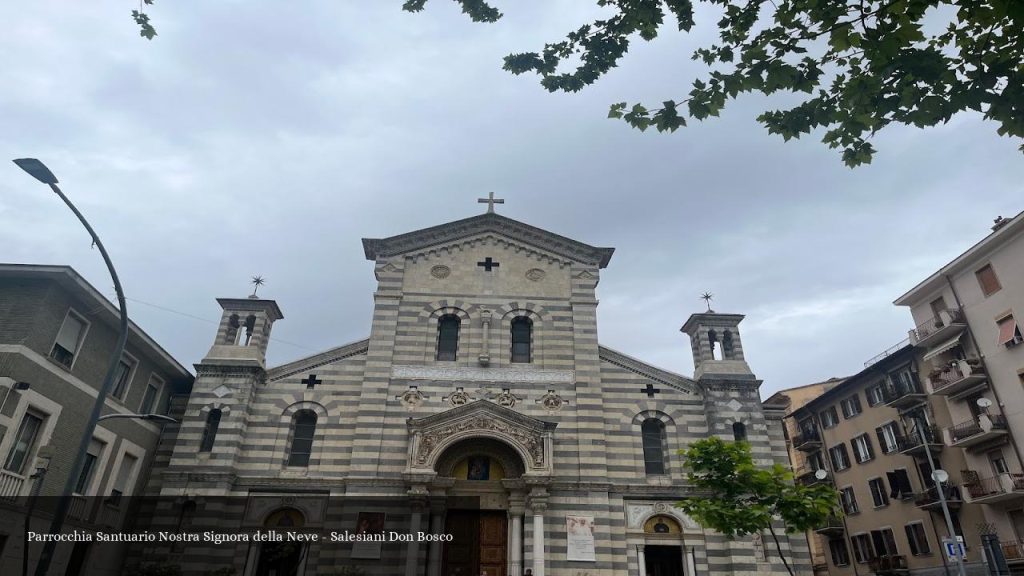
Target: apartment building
[871, 437]
[788, 401]
[968, 317]
[56, 335]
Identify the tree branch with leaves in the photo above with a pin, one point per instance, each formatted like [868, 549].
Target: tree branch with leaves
[858, 65]
[737, 498]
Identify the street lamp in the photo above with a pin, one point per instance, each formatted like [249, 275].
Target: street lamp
[940, 476]
[157, 417]
[40, 172]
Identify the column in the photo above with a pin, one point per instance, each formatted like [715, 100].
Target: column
[515, 565]
[485, 345]
[436, 527]
[641, 560]
[538, 542]
[417, 502]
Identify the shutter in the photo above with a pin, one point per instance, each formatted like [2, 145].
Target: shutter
[894, 486]
[1007, 328]
[69, 334]
[871, 449]
[881, 440]
[911, 539]
[987, 279]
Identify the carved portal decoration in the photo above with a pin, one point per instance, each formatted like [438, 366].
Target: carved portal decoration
[412, 398]
[459, 398]
[551, 401]
[506, 398]
[529, 437]
[637, 513]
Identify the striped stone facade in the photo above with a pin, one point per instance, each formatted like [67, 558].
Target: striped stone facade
[392, 420]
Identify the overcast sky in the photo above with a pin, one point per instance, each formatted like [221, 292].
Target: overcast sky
[268, 138]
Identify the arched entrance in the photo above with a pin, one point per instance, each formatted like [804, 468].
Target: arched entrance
[480, 467]
[282, 558]
[482, 474]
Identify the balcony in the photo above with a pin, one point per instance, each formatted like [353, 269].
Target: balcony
[807, 441]
[1013, 551]
[960, 376]
[805, 475]
[832, 527]
[1001, 488]
[11, 485]
[889, 565]
[986, 427]
[911, 443]
[929, 499]
[902, 396]
[947, 324]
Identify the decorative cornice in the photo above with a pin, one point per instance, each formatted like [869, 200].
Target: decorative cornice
[677, 381]
[483, 407]
[311, 362]
[375, 248]
[227, 370]
[477, 374]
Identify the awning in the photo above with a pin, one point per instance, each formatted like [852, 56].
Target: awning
[1007, 329]
[947, 345]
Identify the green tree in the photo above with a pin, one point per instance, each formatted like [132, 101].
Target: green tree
[736, 498]
[857, 65]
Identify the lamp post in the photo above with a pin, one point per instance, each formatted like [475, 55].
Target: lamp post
[40, 172]
[157, 417]
[940, 476]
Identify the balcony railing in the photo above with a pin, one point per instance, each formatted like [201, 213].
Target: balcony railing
[981, 429]
[1013, 551]
[807, 475]
[946, 323]
[996, 488]
[11, 485]
[807, 439]
[903, 395]
[957, 377]
[930, 497]
[887, 565]
[910, 443]
[832, 526]
[888, 352]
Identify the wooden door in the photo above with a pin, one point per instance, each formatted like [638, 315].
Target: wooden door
[461, 555]
[493, 543]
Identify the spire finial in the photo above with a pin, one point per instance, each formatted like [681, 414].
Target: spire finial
[707, 297]
[490, 201]
[256, 282]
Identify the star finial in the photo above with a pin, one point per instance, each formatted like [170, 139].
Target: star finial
[707, 297]
[256, 282]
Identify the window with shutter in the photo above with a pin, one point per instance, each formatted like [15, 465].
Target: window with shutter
[1009, 332]
[840, 554]
[69, 339]
[987, 280]
[917, 538]
[878, 496]
[24, 442]
[92, 456]
[862, 550]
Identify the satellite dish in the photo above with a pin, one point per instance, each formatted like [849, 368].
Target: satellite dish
[984, 402]
[820, 474]
[940, 476]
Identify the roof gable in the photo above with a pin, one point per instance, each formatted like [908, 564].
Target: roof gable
[459, 230]
[676, 381]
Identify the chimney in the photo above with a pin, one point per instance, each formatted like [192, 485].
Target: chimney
[999, 222]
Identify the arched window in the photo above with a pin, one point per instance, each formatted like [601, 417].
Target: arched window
[303, 430]
[210, 430]
[522, 339]
[231, 334]
[653, 432]
[448, 337]
[739, 431]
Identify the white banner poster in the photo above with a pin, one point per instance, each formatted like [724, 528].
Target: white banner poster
[580, 533]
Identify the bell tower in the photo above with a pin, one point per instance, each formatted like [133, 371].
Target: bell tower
[244, 332]
[716, 346]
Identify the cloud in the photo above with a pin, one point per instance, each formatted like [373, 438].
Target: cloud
[269, 138]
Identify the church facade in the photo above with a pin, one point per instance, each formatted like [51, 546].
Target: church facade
[481, 405]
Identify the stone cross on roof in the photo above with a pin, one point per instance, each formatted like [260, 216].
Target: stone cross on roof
[490, 201]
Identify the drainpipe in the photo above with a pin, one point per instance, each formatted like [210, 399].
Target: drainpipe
[981, 356]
